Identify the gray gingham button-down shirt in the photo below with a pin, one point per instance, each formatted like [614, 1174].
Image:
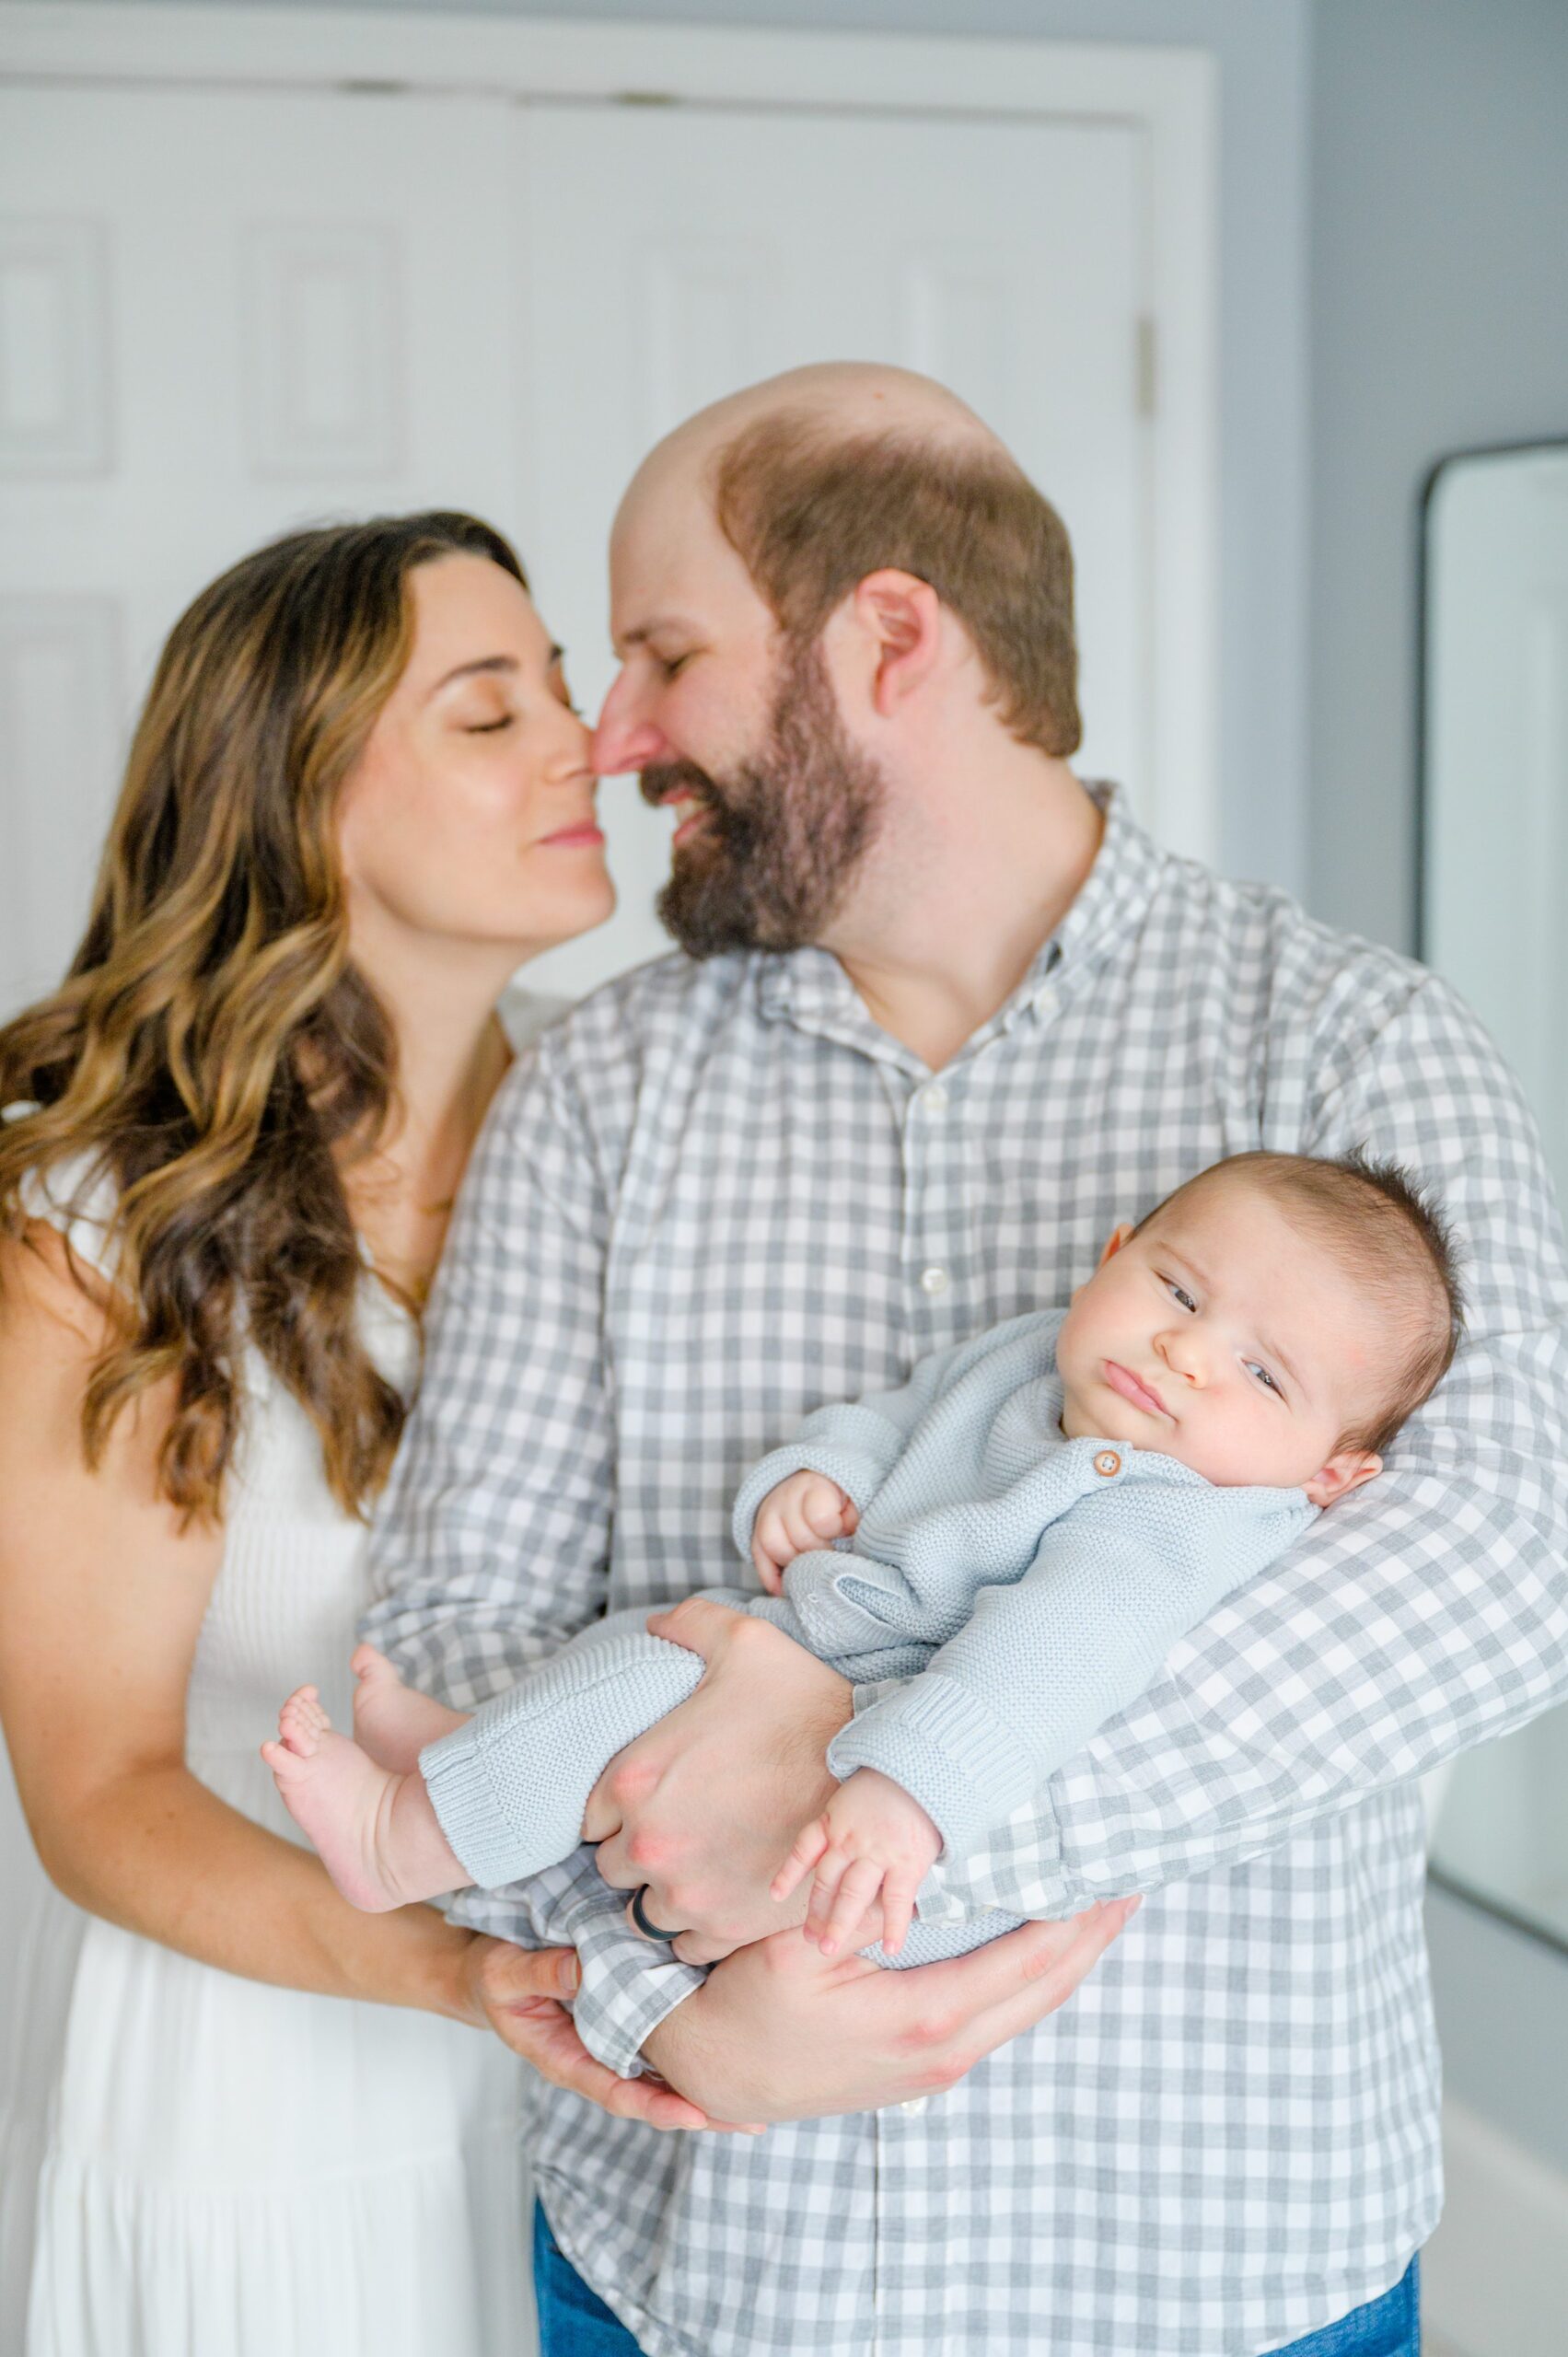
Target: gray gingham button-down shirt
[717, 1196]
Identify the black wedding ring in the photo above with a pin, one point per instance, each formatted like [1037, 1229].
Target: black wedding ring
[640, 1917]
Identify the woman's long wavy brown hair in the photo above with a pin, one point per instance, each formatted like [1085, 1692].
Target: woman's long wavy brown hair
[213, 1049]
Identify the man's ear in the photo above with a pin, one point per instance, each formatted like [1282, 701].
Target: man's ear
[903, 615]
[1345, 1471]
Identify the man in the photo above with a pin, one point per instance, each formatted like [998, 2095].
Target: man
[945, 1018]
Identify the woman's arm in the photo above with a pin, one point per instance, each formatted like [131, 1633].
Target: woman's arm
[102, 1595]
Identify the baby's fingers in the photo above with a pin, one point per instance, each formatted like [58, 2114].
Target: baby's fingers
[809, 1844]
[767, 1569]
[898, 1908]
[856, 1890]
[768, 1544]
[802, 1539]
[824, 1508]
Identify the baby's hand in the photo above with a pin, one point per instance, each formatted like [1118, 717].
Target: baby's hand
[871, 1841]
[807, 1511]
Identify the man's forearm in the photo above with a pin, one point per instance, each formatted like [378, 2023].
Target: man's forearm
[781, 2033]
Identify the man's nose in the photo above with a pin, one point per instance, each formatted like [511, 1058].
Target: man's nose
[624, 737]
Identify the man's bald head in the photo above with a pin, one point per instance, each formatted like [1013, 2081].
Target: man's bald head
[826, 474]
[853, 396]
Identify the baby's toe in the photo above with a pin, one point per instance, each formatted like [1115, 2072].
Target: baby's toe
[298, 1731]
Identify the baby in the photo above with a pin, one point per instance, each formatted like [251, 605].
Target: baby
[1032, 1520]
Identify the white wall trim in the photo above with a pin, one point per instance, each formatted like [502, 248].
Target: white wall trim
[1170, 93]
[573, 58]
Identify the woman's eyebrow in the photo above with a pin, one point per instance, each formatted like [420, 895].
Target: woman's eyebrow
[485, 663]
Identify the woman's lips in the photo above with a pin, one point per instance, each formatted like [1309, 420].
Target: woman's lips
[588, 833]
[1123, 1380]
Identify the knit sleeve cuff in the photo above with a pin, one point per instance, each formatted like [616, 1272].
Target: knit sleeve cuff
[457, 1778]
[858, 1455]
[955, 1757]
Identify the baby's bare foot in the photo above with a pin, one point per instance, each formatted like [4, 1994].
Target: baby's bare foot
[393, 1722]
[377, 1833]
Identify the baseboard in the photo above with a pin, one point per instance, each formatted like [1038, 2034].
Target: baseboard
[1494, 2276]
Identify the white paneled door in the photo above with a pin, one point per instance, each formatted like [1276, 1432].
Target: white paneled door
[223, 312]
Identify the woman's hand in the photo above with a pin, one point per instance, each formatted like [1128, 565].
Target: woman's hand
[521, 1994]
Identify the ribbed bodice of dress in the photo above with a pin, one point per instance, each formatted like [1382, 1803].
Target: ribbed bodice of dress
[291, 1584]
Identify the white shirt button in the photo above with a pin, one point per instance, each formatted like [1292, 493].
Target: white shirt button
[916, 2104]
[1047, 999]
[934, 1280]
[934, 1096]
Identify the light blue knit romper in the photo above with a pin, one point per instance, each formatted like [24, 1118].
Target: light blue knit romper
[1006, 1592]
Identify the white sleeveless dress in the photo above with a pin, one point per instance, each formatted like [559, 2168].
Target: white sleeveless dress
[194, 2165]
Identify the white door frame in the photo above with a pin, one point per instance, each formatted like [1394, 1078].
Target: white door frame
[1169, 95]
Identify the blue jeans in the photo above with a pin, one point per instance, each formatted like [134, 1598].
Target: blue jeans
[575, 2322]
[1386, 2328]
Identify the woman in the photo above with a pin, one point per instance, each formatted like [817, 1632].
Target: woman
[358, 799]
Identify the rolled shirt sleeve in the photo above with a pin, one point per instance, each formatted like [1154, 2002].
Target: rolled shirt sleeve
[492, 1545]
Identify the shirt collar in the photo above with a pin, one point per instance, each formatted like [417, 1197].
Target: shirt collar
[810, 989]
[1129, 869]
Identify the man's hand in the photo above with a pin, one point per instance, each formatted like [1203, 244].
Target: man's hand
[520, 1993]
[806, 1512]
[698, 1810]
[780, 2032]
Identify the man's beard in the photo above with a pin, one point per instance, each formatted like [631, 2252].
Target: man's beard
[782, 836]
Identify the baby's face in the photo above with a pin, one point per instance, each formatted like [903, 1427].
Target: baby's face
[1223, 1337]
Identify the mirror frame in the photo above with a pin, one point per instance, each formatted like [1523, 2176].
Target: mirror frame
[1439, 1875]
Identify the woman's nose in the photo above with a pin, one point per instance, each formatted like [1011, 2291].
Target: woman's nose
[571, 756]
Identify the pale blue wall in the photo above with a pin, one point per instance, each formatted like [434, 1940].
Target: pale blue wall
[1439, 320]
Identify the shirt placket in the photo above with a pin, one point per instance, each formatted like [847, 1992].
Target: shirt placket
[939, 1280]
[938, 1259]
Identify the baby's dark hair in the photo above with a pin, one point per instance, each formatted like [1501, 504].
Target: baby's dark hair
[1386, 1232]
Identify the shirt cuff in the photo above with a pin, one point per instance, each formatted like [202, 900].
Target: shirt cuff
[629, 1986]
